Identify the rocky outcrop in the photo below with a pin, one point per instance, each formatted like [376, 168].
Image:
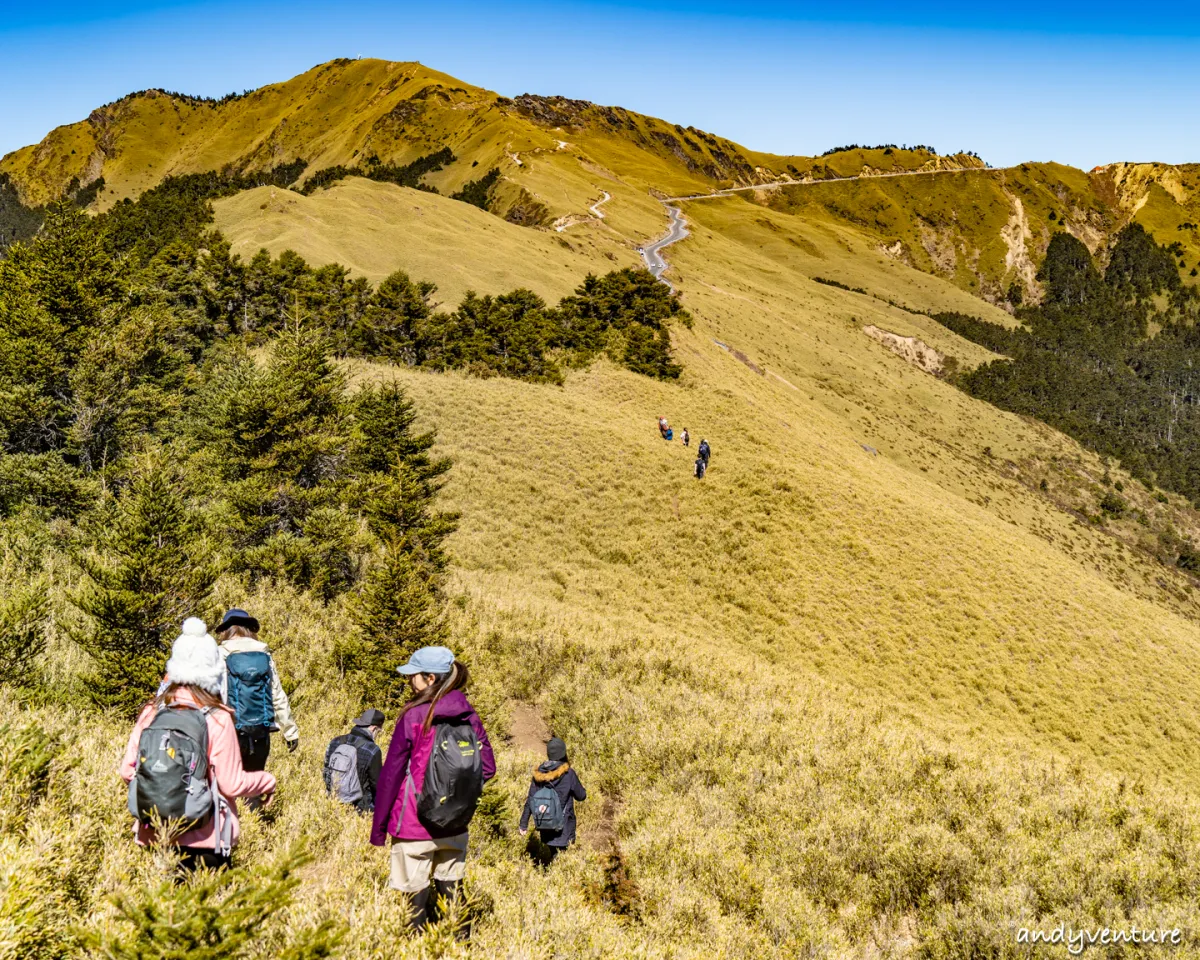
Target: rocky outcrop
[915, 351]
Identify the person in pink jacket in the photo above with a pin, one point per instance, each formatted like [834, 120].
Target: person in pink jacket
[194, 676]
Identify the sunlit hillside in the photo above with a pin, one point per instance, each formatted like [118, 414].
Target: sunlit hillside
[375, 228]
[887, 682]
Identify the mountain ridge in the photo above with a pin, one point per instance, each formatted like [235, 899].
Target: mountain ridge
[553, 156]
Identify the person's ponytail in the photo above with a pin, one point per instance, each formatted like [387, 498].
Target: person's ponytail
[442, 684]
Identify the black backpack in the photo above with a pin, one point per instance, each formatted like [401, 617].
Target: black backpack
[453, 779]
[701, 466]
[547, 809]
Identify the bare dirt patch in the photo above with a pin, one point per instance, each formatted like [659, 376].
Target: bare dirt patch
[917, 352]
[528, 730]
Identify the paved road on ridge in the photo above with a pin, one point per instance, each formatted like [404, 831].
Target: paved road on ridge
[652, 252]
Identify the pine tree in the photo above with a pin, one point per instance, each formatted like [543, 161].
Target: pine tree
[151, 569]
[397, 611]
[24, 614]
[390, 327]
[220, 915]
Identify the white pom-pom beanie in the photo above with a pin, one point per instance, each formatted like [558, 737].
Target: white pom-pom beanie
[195, 659]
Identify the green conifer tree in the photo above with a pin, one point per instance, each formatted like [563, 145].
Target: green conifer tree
[150, 569]
[220, 915]
[397, 611]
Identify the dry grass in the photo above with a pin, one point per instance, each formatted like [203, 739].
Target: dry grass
[375, 228]
[843, 703]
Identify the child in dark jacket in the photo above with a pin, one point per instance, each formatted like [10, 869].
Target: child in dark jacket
[556, 772]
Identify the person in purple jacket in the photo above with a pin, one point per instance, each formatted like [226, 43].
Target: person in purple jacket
[418, 854]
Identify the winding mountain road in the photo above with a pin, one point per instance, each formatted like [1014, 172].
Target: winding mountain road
[652, 252]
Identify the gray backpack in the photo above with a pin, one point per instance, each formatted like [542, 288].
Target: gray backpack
[171, 782]
[343, 774]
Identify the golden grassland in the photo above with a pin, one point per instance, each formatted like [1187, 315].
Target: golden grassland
[982, 229]
[376, 228]
[867, 690]
[975, 228]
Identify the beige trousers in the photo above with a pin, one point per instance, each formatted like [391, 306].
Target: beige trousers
[414, 861]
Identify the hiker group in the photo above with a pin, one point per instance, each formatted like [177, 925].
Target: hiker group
[202, 742]
[703, 451]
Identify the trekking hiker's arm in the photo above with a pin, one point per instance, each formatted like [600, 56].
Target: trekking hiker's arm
[528, 810]
[283, 709]
[577, 788]
[485, 748]
[225, 759]
[325, 771]
[391, 779]
[374, 768]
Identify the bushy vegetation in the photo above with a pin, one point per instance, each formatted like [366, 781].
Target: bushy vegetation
[19, 222]
[403, 175]
[138, 417]
[479, 192]
[1085, 361]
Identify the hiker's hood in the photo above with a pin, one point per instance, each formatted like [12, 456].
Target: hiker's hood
[453, 704]
[550, 770]
[243, 645]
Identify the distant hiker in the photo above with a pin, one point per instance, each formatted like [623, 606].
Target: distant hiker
[551, 800]
[704, 452]
[664, 428]
[701, 468]
[436, 766]
[182, 762]
[253, 690]
[353, 762]
[685, 438]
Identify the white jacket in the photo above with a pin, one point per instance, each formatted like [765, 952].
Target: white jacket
[283, 709]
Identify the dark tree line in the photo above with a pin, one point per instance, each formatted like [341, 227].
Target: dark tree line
[403, 175]
[1085, 360]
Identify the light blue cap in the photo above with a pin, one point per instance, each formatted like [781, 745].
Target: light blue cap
[428, 660]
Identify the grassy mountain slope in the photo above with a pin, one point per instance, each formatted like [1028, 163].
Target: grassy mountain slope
[986, 230]
[375, 228]
[345, 111]
[783, 381]
[881, 685]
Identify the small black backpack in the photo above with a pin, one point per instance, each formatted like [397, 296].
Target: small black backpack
[453, 779]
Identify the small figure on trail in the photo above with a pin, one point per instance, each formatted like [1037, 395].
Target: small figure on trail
[353, 762]
[701, 468]
[182, 761]
[253, 690]
[664, 429]
[551, 801]
[436, 766]
[685, 438]
[704, 451]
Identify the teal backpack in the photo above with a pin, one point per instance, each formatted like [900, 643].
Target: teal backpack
[250, 689]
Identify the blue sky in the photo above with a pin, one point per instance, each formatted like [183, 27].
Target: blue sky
[1080, 83]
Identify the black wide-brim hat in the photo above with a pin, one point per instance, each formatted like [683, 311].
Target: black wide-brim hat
[237, 618]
